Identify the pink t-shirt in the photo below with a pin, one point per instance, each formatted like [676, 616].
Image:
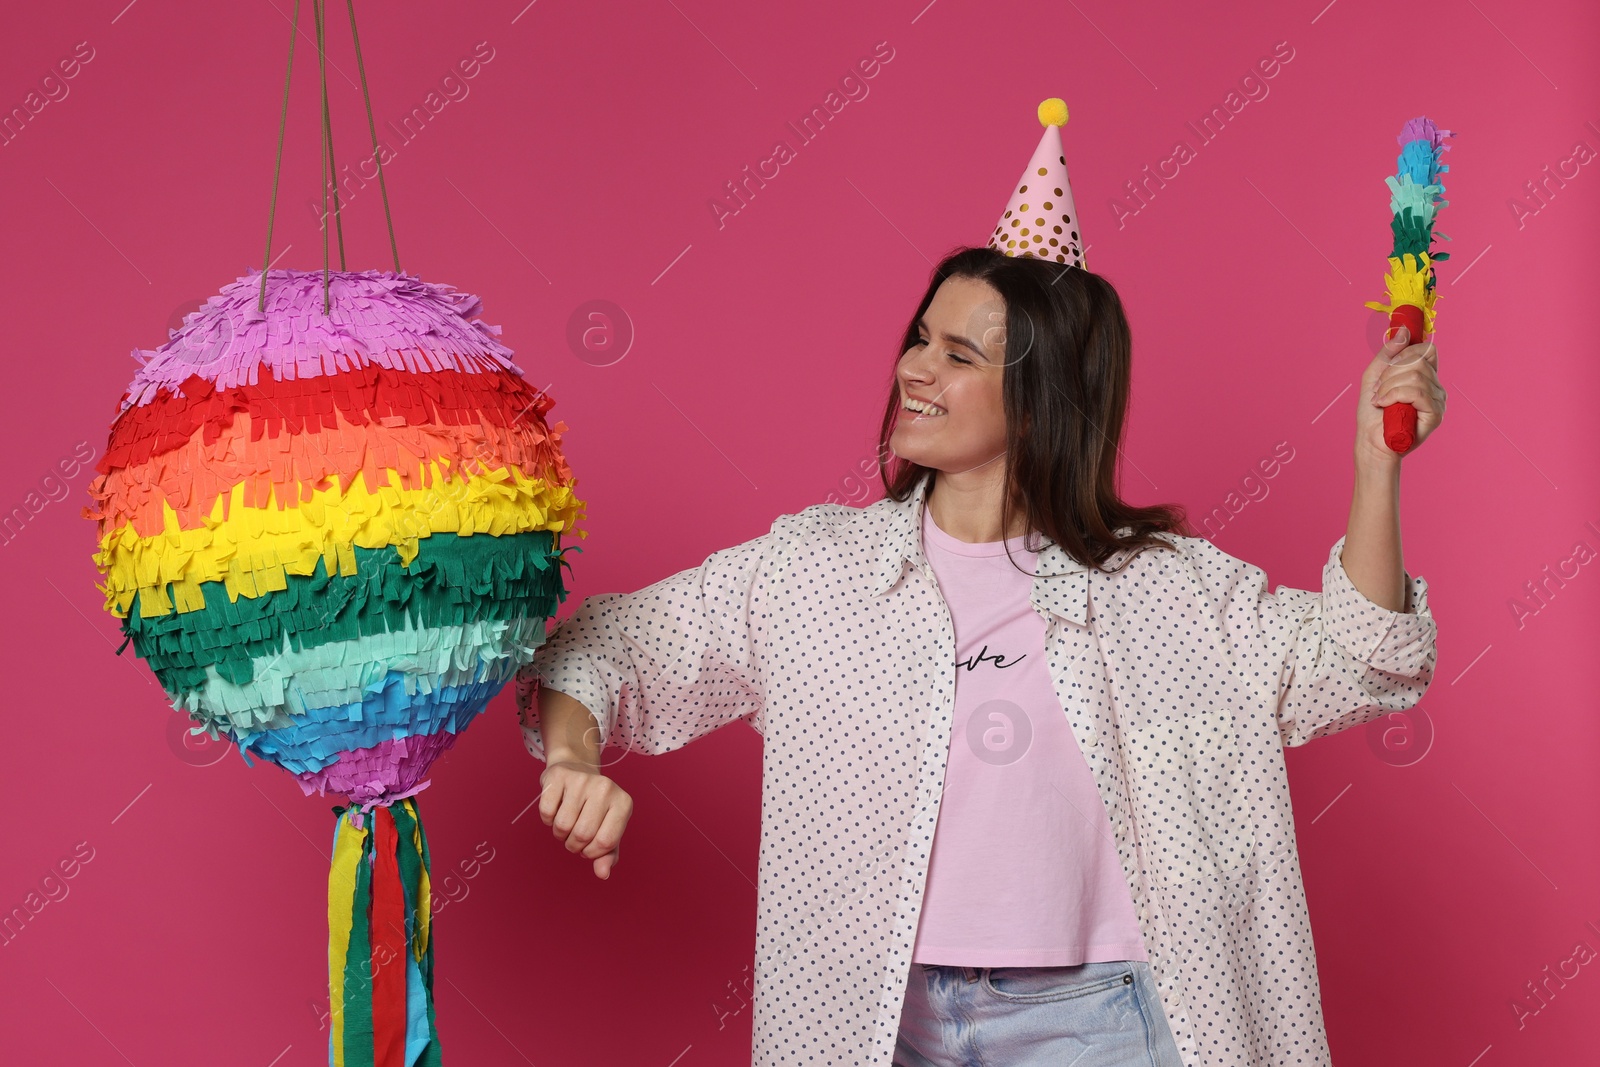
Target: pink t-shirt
[1024, 872]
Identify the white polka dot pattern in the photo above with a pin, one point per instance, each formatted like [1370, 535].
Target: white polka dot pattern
[1183, 678]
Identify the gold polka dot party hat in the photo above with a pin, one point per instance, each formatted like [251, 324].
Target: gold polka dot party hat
[1041, 220]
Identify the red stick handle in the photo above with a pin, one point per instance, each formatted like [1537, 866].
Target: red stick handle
[1400, 418]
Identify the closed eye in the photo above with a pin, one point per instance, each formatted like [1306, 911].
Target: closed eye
[958, 359]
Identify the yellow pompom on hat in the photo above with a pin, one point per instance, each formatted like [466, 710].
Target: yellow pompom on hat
[1041, 219]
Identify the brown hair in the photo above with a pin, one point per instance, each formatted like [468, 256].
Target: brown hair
[1065, 403]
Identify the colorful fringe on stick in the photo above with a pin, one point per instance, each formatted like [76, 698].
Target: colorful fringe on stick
[334, 535]
[1414, 198]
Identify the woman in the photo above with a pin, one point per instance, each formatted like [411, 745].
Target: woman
[1096, 699]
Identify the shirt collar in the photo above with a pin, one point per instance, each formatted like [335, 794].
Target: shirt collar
[1061, 589]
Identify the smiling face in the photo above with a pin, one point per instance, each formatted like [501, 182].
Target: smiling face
[951, 416]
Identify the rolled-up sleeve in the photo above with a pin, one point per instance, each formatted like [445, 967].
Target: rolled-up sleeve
[1354, 660]
[670, 663]
[1339, 659]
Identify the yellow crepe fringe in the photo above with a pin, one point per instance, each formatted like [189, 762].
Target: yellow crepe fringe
[252, 550]
[1407, 280]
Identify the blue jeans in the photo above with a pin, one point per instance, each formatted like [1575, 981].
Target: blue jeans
[1089, 1015]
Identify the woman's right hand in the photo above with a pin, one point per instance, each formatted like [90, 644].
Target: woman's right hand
[585, 810]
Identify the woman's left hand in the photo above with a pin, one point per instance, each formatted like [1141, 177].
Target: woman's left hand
[1399, 372]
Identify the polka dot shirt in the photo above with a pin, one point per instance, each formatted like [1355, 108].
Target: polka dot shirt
[1183, 678]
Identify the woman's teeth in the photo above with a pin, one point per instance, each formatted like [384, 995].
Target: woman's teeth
[922, 408]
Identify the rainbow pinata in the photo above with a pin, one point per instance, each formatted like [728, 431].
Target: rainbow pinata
[334, 535]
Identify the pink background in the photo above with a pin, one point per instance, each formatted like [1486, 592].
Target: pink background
[583, 158]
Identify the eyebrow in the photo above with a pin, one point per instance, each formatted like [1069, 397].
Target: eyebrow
[956, 339]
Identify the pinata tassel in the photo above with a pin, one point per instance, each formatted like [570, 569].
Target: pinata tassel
[380, 948]
[422, 1032]
[349, 942]
[388, 947]
[1400, 418]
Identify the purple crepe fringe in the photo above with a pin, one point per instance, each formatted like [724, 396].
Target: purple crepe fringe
[1423, 128]
[396, 321]
[382, 774]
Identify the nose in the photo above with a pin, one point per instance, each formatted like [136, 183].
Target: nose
[914, 366]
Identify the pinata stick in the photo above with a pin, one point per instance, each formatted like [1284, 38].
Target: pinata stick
[1414, 199]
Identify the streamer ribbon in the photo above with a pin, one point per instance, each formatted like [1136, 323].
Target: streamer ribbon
[380, 945]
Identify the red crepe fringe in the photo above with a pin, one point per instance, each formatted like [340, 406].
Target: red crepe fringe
[369, 394]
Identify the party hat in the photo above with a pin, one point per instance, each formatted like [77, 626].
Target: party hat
[1041, 219]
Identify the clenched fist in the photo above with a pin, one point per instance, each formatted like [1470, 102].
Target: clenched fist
[585, 810]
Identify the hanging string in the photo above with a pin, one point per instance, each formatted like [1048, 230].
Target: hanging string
[327, 133]
[329, 165]
[372, 126]
[272, 211]
[327, 148]
[317, 25]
